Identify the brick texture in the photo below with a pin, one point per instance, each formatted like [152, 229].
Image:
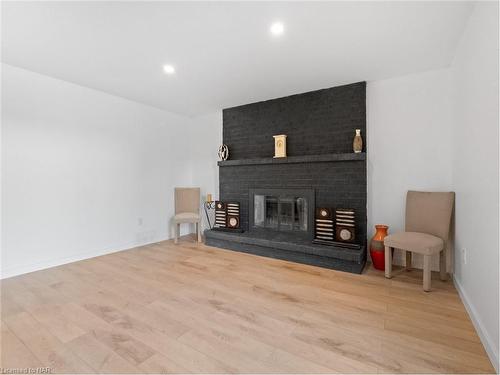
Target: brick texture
[317, 122]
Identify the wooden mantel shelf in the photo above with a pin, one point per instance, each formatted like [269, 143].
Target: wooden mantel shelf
[296, 159]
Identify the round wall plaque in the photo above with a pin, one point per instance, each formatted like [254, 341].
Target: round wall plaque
[223, 152]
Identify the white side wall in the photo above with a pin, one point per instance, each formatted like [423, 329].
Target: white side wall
[408, 143]
[475, 171]
[206, 133]
[81, 170]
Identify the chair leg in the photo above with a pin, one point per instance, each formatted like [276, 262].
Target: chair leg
[177, 233]
[388, 262]
[427, 273]
[198, 230]
[408, 260]
[443, 275]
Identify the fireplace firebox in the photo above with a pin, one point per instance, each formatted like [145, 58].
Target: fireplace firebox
[282, 210]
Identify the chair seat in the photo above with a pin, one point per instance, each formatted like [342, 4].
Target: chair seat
[421, 243]
[186, 217]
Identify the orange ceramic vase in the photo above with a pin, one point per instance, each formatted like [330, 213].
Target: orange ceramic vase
[377, 247]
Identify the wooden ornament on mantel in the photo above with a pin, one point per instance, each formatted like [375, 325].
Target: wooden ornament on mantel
[279, 146]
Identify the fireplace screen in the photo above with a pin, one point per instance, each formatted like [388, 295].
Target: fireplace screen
[281, 210]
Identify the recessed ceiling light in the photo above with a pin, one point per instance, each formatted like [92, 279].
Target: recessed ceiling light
[277, 28]
[168, 69]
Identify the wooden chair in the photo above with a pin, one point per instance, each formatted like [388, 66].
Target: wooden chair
[427, 229]
[187, 210]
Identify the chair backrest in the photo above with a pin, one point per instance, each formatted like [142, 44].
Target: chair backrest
[187, 200]
[429, 212]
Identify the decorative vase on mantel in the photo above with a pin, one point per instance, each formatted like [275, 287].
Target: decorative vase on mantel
[357, 143]
[377, 249]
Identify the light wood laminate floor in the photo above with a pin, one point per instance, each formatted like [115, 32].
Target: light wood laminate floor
[197, 309]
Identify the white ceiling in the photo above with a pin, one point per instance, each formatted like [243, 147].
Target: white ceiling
[223, 52]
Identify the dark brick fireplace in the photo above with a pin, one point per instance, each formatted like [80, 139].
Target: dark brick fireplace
[320, 127]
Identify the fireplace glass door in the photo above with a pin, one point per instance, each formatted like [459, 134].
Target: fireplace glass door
[281, 213]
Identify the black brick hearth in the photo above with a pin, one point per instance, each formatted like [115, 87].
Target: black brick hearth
[293, 248]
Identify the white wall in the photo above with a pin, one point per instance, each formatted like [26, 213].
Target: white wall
[475, 171]
[408, 144]
[206, 133]
[79, 170]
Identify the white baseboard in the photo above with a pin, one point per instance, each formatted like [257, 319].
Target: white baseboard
[19, 270]
[487, 341]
